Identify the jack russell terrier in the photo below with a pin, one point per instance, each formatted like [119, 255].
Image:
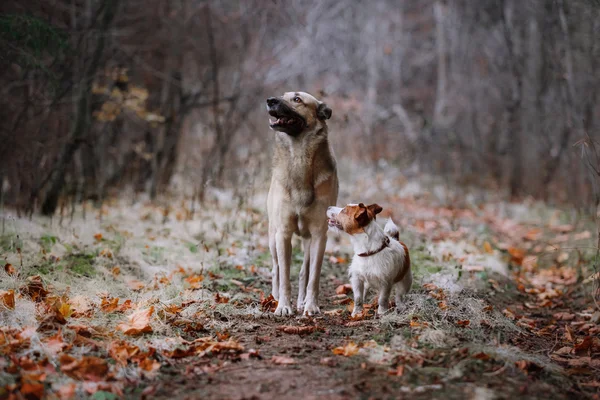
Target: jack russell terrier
[380, 260]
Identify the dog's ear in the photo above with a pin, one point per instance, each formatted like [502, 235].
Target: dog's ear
[361, 215]
[323, 112]
[375, 208]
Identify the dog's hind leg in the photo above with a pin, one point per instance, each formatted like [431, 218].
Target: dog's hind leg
[384, 299]
[275, 272]
[403, 287]
[304, 274]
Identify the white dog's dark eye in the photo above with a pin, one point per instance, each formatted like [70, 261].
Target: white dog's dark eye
[297, 99]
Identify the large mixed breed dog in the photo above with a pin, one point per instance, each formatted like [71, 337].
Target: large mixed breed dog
[304, 183]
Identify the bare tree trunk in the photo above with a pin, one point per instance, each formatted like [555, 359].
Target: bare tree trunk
[81, 124]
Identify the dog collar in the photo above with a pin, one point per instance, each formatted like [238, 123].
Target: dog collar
[385, 244]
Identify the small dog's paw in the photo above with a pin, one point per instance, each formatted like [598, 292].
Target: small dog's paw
[284, 310]
[356, 312]
[382, 310]
[311, 309]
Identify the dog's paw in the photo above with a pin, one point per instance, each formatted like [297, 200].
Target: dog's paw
[284, 310]
[382, 310]
[311, 309]
[356, 312]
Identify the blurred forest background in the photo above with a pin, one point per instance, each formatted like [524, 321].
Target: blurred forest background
[98, 95]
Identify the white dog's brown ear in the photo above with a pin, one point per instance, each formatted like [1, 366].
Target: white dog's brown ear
[375, 208]
[323, 112]
[361, 215]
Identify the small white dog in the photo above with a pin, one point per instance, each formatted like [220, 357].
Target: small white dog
[380, 260]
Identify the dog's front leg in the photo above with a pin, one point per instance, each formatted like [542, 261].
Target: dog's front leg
[358, 288]
[275, 272]
[304, 272]
[317, 250]
[283, 242]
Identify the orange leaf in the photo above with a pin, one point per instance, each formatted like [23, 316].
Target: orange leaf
[65, 310]
[121, 351]
[487, 247]
[282, 360]
[221, 299]
[517, 255]
[149, 365]
[442, 305]
[343, 289]
[109, 305]
[464, 322]
[67, 391]
[348, 350]
[98, 237]
[7, 299]
[136, 285]
[9, 269]
[116, 271]
[195, 281]
[268, 304]
[34, 288]
[137, 323]
[86, 369]
[297, 330]
[399, 371]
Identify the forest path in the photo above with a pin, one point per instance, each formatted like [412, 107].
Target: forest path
[143, 301]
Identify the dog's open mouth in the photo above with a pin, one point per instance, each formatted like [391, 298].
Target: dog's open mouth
[284, 120]
[333, 223]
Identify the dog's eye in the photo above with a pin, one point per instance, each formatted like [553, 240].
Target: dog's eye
[297, 99]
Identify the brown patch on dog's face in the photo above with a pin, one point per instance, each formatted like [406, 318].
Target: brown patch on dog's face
[354, 217]
[296, 112]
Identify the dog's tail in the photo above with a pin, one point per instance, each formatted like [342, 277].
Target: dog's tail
[392, 230]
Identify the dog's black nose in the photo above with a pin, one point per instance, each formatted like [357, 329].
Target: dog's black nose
[271, 101]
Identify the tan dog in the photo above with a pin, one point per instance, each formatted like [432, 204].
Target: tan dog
[304, 183]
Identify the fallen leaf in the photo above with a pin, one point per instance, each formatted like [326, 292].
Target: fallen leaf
[481, 356]
[527, 366]
[9, 269]
[116, 271]
[34, 288]
[66, 391]
[564, 316]
[569, 334]
[268, 304]
[487, 247]
[221, 299]
[282, 360]
[399, 371]
[86, 368]
[135, 285]
[122, 351]
[297, 330]
[328, 361]
[463, 323]
[195, 281]
[149, 365]
[55, 344]
[80, 307]
[65, 310]
[583, 235]
[348, 350]
[587, 345]
[517, 255]
[343, 289]
[137, 323]
[533, 234]
[7, 299]
[334, 312]
[109, 305]
[564, 350]
[98, 237]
